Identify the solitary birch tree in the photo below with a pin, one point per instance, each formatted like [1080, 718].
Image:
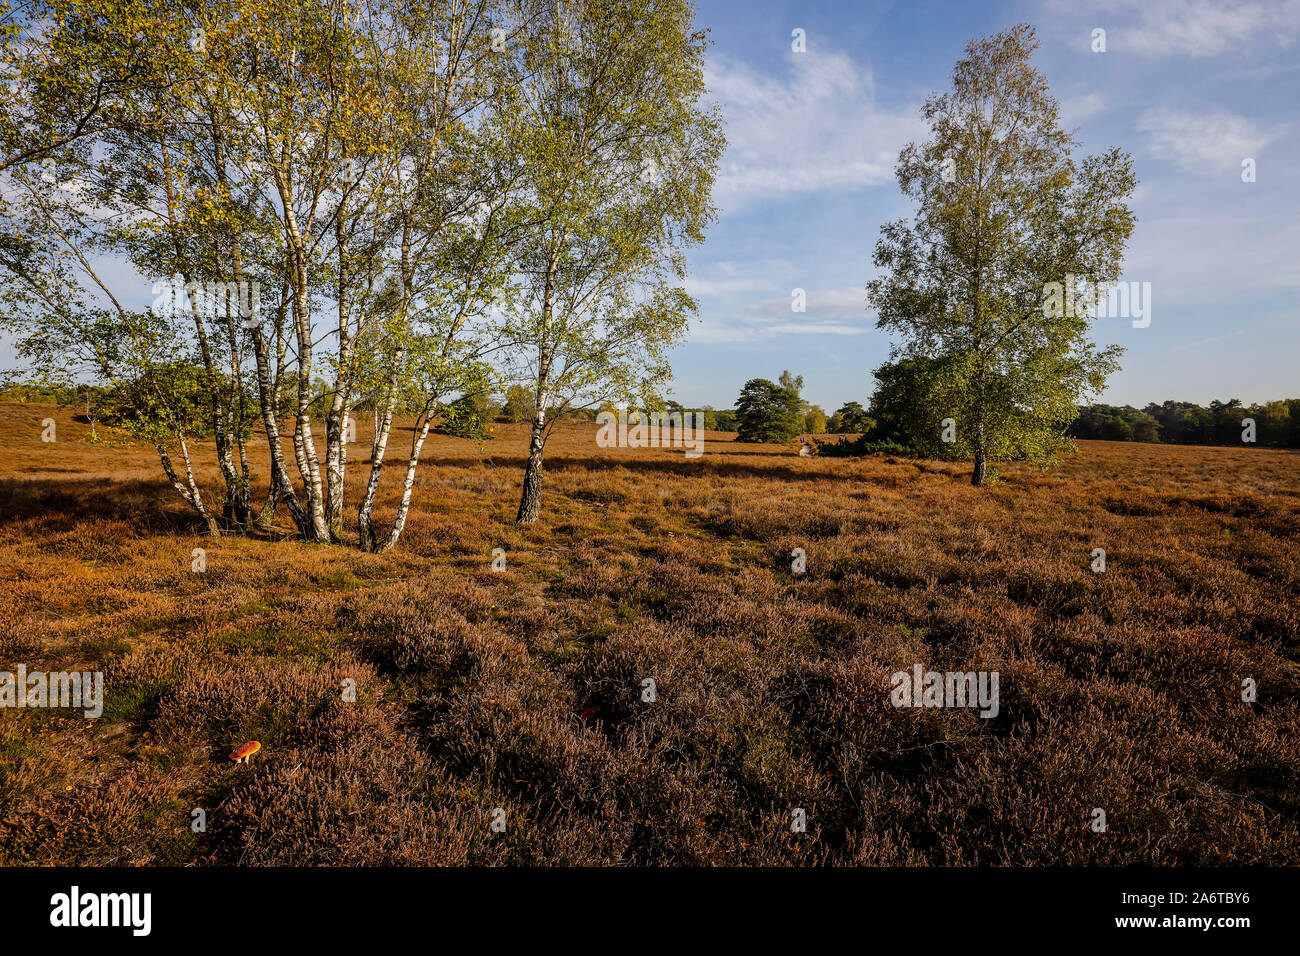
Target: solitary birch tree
[1003, 210]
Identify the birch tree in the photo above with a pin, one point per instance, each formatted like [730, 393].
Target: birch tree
[333, 153]
[77, 74]
[446, 183]
[1003, 210]
[619, 156]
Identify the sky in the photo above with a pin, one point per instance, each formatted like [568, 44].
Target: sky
[1190, 89]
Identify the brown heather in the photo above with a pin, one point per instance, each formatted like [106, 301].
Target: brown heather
[1118, 690]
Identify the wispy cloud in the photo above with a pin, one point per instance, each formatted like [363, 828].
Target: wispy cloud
[1198, 28]
[828, 312]
[1209, 341]
[1212, 141]
[1076, 109]
[722, 331]
[814, 126]
[818, 304]
[731, 283]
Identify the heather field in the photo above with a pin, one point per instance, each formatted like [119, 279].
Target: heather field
[523, 689]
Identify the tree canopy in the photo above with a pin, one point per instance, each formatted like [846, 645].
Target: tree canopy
[766, 412]
[1002, 211]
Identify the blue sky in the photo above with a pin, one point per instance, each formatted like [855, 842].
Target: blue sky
[1189, 88]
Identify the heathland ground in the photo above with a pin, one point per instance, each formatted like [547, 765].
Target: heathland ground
[522, 689]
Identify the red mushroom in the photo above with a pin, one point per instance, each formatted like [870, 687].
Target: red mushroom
[246, 751]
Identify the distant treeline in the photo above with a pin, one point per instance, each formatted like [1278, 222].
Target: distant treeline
[467, 416]
[1276, 424]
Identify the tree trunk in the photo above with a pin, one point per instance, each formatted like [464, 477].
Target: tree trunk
[305, 451]
[304, 445]
[407, 484]
[239, 496]
[336, 420]
[189, 490]
[530, 501]
[268, 398]
[981, 465]
[267, 514]
[335, 464]
[378, 449]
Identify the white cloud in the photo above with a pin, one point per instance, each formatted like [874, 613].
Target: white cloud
[722, 331]
[1214, 258]
[1076, 109]
[1191, 27]
[1209, 341]
[1209, 141]
[823, 304]
[730, 284]
[818, 127]
[828, 312]
[816, 328]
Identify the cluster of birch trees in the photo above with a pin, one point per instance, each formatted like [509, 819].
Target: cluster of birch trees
[410, 201]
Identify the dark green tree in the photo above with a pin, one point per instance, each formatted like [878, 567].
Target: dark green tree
[909, 407]
[851, 419]
[766, 412]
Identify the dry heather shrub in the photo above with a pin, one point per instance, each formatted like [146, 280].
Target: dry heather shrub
[1036, 795]
[411, 626]
[351, 791]
[605, 487]
[222, 702]
[132, 818]
[522, 690]
[496, 715]
[704, 740]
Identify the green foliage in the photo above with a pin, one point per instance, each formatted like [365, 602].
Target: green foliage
[164, 401]
[520, 405]
[619, 155]
[1114, 424]
[851, 418]
[766, 412]
[1002, 209]
[1277, 423]
[913, 396]
[814, 420]
[469, 416]
[865, 445]
[72, 83]
[607, 123]
[726, 420]
[50, 393]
